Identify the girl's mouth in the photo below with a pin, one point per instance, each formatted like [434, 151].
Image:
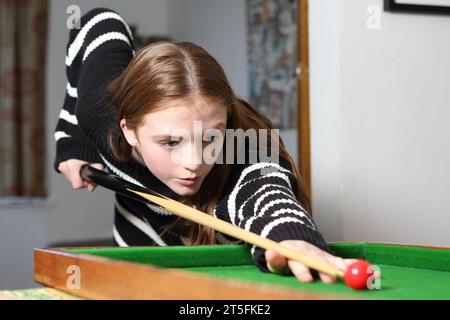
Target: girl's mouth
[188, 182]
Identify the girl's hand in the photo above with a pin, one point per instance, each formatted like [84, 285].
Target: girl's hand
[279, 264]
[70, 169]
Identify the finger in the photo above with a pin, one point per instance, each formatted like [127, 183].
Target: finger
[275, 261]
[338, 262]
[98, 166]
[77, 182]
[330, 260]
[90, 187]
[326, 278]
[300, 271]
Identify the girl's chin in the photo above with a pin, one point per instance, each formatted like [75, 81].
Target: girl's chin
[185, 191]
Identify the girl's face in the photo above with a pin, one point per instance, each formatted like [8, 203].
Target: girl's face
[180, 142]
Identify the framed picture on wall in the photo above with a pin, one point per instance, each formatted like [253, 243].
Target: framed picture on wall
[418, 6]
[272, 59]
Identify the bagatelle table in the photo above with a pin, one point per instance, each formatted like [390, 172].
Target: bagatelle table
[228, 272]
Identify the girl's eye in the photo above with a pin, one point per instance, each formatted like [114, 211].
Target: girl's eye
[170, 144]
[173, 143]
[210, 139]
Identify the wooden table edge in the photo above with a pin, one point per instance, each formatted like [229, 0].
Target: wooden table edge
[99, 277]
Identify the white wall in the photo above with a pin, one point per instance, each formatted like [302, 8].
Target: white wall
[379, 116]
[218, 26]
[326, 162]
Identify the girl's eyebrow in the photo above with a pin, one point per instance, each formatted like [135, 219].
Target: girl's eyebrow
[169, 136]
[165, 136]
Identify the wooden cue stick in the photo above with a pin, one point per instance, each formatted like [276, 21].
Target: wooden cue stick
[202, 218]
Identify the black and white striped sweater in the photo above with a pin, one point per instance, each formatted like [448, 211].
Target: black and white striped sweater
[257, 200]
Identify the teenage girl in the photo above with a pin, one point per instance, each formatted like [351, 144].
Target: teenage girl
[160, 119]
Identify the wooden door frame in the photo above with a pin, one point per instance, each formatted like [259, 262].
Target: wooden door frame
[303, 124]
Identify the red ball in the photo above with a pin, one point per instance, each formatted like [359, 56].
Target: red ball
[357, 274]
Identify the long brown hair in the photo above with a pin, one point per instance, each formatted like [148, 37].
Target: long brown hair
[164, 71]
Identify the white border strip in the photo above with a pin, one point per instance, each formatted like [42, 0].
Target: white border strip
[61, 135]
[102, 39]
[79, 39]
[118, 238]
[71, 118]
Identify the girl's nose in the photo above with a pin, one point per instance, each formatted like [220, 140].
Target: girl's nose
[192, 158]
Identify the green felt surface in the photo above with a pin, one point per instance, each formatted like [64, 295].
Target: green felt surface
[406, 272]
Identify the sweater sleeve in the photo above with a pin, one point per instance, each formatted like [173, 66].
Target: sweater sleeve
[71, 142]
[100, 52]
[96, 54]
[263, 201]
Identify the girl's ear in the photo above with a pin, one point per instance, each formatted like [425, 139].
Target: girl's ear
[129, 134]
